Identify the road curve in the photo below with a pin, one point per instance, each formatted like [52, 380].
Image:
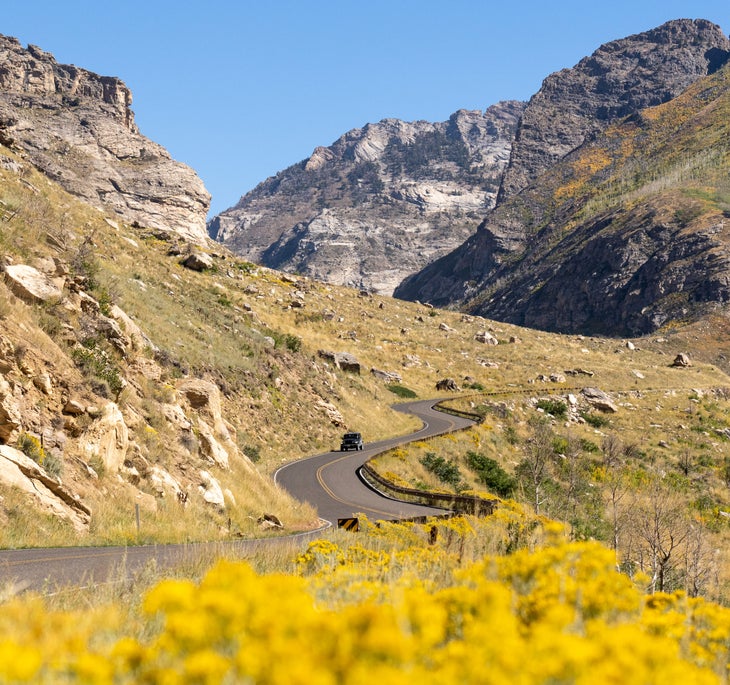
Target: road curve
[329, 481]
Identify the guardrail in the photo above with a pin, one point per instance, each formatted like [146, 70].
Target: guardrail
[462, 504]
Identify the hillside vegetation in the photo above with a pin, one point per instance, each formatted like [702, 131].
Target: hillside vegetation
[145, 378]
[624, 235]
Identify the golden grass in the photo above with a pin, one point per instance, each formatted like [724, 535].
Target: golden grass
[219, 325]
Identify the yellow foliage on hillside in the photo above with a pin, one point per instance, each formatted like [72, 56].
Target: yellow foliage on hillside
[385, 608]
[584, 168]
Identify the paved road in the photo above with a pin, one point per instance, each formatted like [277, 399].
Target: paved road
[329, 481]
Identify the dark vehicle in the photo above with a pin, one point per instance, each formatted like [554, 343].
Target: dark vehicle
[351, 441]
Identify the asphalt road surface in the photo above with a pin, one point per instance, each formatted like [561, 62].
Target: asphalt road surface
[328, 481]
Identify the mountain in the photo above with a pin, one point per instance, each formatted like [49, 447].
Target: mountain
[79, 129]
[619, 78]
[624, 233]
[378, 204]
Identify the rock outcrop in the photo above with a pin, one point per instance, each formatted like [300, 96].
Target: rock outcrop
[78, 128]
[378, 204]
[21, 472]
[620, 78]
[601, 244]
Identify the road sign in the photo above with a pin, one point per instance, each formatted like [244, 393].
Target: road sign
[351, 524]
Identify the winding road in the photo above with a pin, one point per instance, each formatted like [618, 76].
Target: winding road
[328, 481]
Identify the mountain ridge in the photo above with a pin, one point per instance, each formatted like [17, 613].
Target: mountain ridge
[478, 274]
[377, 203]
[79, 128]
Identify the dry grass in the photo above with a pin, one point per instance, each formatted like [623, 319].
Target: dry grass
[220, 325]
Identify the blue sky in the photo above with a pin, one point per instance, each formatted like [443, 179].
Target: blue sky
[240, 90]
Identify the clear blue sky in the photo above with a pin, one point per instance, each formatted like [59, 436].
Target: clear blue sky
[242, 89]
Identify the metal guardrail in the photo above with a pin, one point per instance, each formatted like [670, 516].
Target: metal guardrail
[462, 504]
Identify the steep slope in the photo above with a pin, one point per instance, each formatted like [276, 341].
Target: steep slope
[78, 128]
[625, 74]
[619, 78]
[625, 235]
[378, 204]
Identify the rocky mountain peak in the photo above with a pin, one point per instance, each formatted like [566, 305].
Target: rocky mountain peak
[379, 203]
[79, 129]
[625, 233]
[36, 72]
[619, 78]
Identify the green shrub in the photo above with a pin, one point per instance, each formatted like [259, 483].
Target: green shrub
[588, 446]
[290, 341]
[594, 419]
[556, 408]
[510, 435]
[491, 474]
[446, 471]
[253, 452]
[401, 391]
[31, 447]
[95, 362]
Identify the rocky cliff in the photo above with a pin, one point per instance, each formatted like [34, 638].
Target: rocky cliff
[78, 128]
[380, 203]
[619, 78]
[623, 236]
[502, 271]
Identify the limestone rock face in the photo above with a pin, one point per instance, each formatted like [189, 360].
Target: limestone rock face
[216, 442]
[108, 438]
[19, 471]
[379, 203]
[78, 127]
[11, 418]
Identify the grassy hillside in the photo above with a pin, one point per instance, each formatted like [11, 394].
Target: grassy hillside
[257, 335]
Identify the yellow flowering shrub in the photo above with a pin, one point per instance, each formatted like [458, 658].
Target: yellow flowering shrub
[395, 603]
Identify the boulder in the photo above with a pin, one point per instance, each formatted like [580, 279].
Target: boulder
[332, 412]
[164, 484]
[74, 408]
[682, 360]
[599, 400]
[211, 490]
[136, 335]
[198, 261]
[386, 376]
[486, 338]
[31, 285]
[447, 384]
[342, 360]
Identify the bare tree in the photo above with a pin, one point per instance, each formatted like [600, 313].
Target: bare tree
[700, 561]
[534, 470]
[615, 484]
[662, 524]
